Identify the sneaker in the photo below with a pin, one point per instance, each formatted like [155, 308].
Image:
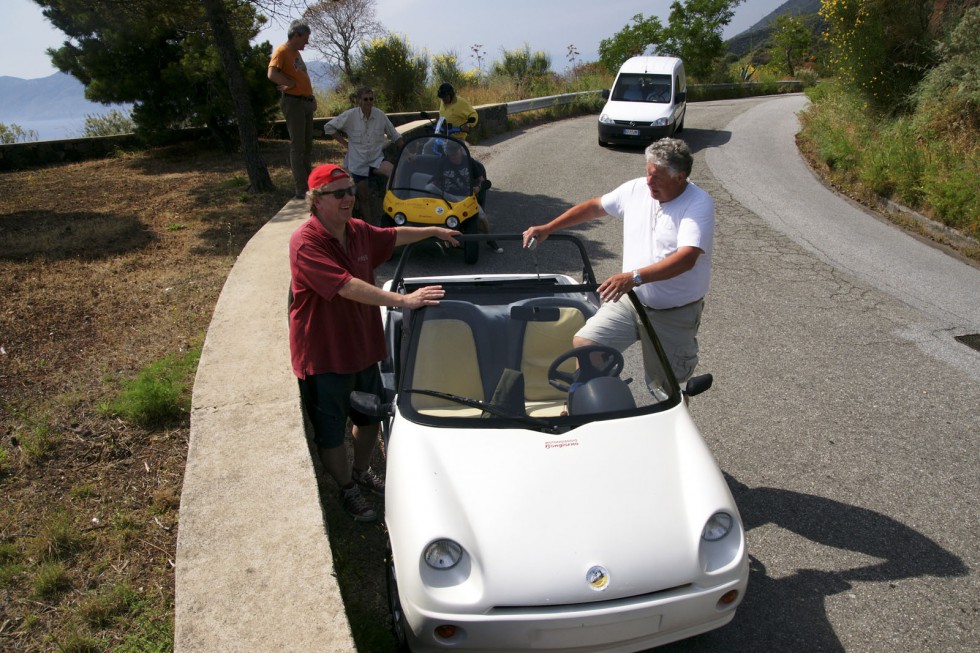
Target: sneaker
[356, 506]
[369, 481]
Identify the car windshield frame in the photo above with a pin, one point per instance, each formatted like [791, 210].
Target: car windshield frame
[473, 345]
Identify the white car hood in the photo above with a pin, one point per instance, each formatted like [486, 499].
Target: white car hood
[535, 512]
[645, 112]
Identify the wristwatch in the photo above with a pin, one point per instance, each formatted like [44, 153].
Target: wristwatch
[637, 279]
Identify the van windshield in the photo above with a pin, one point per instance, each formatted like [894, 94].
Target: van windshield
[638, 87]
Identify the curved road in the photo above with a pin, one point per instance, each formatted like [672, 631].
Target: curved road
[844, 412]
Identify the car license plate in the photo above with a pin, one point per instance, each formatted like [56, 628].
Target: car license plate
[631, 132]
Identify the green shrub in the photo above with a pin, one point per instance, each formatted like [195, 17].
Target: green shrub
[109, 124]
[445, 68]
[395, 71]
[525, 71]
[160, 393]
[13, 133]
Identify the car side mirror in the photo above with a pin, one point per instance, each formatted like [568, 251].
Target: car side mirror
[698, 384]
[681, 96]
[605, 94]
[369, 404]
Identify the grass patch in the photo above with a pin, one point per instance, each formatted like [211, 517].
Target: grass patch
[50, 580]
[76, 642]
[57, 538]
[160, 393]
[98, 610]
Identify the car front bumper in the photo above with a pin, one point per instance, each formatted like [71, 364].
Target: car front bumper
[615, 626]
[626, 134]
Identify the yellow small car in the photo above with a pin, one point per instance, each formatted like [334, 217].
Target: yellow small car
[436, 182]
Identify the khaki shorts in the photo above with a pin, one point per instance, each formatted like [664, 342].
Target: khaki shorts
[617, 325]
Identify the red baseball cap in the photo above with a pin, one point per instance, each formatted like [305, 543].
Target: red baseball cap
[326, 174]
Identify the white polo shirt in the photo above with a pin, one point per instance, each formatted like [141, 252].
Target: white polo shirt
[653, 231]
[365, 136]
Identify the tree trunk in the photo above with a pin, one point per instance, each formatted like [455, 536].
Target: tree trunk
[224, 40]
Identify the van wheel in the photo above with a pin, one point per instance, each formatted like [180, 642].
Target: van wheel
[680, 125]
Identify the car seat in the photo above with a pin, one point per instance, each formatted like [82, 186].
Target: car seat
[448, 358]
[537, 343]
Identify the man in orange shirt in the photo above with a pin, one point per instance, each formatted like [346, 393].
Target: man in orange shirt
[287, 71]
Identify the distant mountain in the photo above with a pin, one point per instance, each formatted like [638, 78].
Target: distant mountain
[56, 97]
[62, 97]
[759, 34]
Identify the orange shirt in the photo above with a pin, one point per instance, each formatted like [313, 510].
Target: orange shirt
[290, 63]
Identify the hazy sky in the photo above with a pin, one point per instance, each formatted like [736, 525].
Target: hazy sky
[548, 25]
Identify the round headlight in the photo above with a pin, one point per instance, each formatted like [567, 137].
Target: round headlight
[443, 554]
[452, 222]
[400, 219]
[717, 526]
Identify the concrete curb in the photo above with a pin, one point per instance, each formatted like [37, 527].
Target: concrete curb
[254, 568]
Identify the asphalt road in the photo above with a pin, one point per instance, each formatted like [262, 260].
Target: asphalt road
[844, 413]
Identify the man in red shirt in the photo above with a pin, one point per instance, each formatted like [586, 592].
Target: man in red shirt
[336, 337]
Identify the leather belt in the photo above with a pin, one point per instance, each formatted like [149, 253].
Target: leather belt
[673, 308]
[308, 98]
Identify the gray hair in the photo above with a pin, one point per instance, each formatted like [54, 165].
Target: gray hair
[670, 153]
[298, 27]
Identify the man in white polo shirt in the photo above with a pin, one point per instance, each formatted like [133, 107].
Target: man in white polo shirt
[668, 228]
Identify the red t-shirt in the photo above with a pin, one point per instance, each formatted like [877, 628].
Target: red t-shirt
[328, 333]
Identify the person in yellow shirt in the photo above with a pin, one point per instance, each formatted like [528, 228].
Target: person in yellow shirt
[287, 71]
[456, 110]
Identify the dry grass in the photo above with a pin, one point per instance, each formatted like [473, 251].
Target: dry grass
[105, 267]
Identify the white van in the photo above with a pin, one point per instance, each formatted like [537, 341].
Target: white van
[647, 102]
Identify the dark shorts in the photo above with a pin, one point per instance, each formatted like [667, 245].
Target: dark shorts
[326, 400]
[359, 178]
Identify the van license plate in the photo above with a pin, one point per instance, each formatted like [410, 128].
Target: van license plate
[631, 132]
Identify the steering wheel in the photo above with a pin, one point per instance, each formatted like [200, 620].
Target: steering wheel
[659, 96]
[587, 370]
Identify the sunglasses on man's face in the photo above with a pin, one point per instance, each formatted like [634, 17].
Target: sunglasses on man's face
[339, 194]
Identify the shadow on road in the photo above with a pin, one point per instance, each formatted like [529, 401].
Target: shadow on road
[789, 613]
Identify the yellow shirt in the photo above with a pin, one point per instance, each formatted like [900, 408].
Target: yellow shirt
[457, 113]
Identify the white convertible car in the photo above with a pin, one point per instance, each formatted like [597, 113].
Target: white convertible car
[541, 497]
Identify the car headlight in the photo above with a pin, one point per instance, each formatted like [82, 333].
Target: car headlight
[659, 122]
[443, 554]
[452, 222]
[717, 527]
[606, 120]
[400, 219]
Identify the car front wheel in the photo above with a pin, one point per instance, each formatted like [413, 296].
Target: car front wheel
[398, 624]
